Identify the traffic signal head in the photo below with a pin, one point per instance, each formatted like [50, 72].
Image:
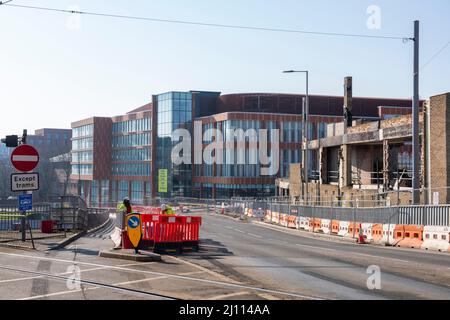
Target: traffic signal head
[11, 141]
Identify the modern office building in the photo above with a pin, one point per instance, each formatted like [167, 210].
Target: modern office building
[130, 155]
[51, 142]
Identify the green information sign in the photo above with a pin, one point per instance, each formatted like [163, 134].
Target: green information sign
[162, 180]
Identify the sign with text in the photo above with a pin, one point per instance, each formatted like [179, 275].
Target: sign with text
[162, 180]
[24, 182]
[25, 202]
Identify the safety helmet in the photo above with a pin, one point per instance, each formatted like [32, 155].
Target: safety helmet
[126, 200]
[163, 207]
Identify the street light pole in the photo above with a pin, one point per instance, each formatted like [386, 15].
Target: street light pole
[305, 117]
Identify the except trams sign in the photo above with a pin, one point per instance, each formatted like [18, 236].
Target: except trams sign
[24, 182]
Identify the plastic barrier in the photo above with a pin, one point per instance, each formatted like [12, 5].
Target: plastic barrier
[436, 238]
[275, 217]
[377, 233]
[367, 229]
[389, 235]
[304, 223]
[325, 226]
[292, 222]
[268, 216]
[412, 236]
[335, 226]
[314, 224]
[353, 230]
[343, 228]
[284, 220]
[190, 229]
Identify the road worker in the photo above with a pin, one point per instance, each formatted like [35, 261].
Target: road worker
[166, 209]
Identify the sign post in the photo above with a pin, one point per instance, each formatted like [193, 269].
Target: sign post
[24, 158]
[134, 229]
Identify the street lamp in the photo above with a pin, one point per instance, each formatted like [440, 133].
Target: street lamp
[305, 114]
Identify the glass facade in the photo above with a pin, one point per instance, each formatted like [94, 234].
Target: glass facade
[82, 154]
[137, 125]
[131, 169]
[83, 131]
[174, 112]
[144, 154]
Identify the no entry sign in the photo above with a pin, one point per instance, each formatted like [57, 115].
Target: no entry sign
[25, 158]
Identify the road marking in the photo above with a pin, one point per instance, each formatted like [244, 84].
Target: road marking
[236, 285]
[66, 273]
[59, 293]
[240, 231]
[254, 235]
[315, 248]
[230, 295]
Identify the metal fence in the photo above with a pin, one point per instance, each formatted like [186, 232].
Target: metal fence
[66, 213]
[410, 215]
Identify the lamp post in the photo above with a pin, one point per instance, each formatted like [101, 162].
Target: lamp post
[305, 114]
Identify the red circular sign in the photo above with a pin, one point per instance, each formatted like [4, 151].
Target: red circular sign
[25, 158]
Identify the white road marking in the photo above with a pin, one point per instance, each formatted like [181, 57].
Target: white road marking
[254, 235]
[240, 231]
[230, 295]
[236, 285]
[94, 288]
[66, 273]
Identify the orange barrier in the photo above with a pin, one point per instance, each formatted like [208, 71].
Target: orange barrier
[335, 226]
[354, 229]
[377, 233]
[315, 224]
[367, 231]
[292, 222]
[284, 220]
[409, 236]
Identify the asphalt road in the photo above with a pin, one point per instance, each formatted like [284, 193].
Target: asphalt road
[274, 257]
[237, 260]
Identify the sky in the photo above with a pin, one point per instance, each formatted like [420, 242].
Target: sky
[57, 68]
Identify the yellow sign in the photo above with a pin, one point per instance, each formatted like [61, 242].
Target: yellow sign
[162, 180]
[134, 228]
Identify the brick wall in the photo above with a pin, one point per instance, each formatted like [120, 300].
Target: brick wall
[439, 137]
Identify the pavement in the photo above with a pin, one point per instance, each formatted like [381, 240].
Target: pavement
[237, 260]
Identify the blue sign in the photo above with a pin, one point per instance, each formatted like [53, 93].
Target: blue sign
[25, 202]
[133, 222]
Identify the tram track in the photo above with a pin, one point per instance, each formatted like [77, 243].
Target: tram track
[87, 282]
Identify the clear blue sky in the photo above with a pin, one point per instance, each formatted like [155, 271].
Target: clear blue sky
[51, 75]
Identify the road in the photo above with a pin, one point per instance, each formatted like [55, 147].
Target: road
[237, 260]
[278, 258]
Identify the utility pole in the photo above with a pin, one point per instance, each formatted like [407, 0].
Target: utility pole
[415, 122]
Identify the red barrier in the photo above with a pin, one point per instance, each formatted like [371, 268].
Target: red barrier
[170, 232]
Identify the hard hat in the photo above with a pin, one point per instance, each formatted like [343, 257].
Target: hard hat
[163, 207]
[126, 200]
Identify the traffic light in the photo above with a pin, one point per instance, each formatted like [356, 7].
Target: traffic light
[11, 141]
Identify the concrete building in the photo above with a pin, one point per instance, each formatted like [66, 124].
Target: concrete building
[372, 161]
[130, 155]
